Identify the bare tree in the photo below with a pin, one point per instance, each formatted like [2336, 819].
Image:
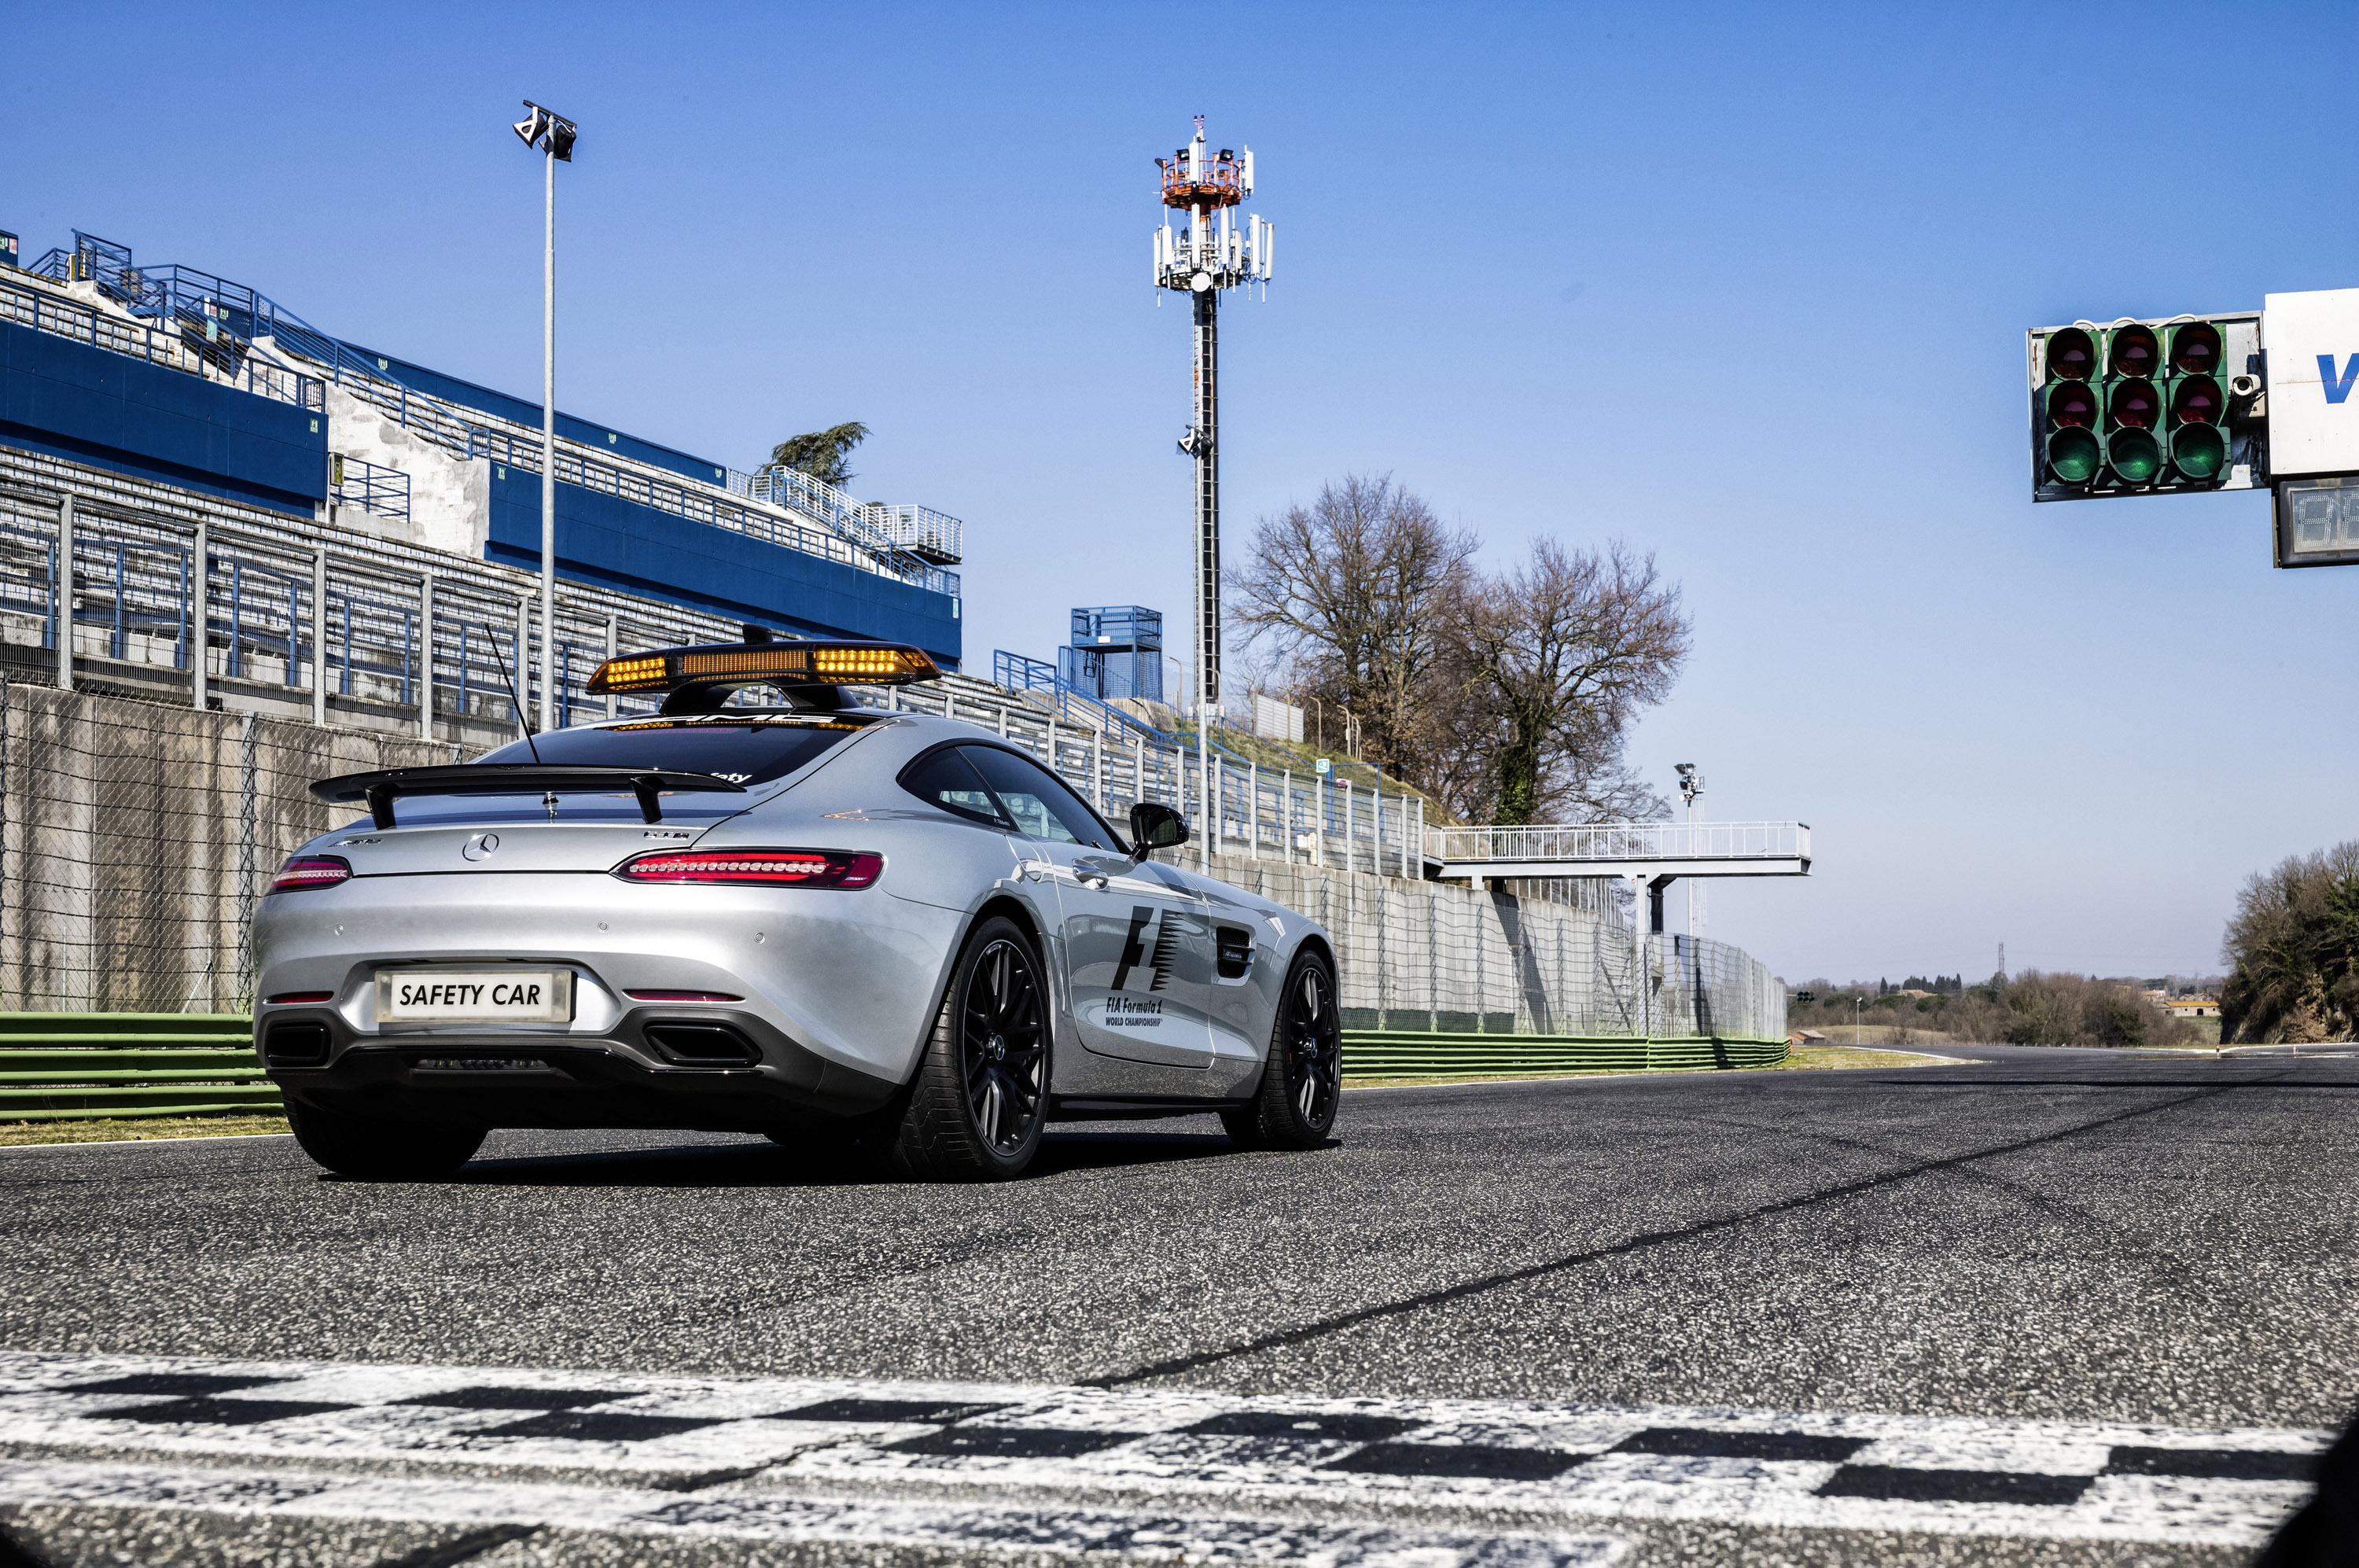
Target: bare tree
[1353, 591]
[1566, 652]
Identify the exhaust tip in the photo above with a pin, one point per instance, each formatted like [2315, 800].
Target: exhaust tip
[296, 1044]
[702, 1044]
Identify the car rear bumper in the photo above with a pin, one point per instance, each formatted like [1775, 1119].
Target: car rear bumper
[849, 978]
[630, 1077]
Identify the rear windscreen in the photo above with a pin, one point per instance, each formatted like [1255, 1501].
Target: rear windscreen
[751, 752]
[744, 751]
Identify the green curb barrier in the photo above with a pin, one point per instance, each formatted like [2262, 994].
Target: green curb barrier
[1387, 1053]
[108, 1066]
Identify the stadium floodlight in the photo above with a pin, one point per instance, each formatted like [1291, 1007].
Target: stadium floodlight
[545, 125]
[551, 134]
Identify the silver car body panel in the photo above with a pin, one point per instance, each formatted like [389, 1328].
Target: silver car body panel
[849, 981]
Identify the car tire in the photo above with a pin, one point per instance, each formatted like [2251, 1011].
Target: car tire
[1302, 1076]
[976, 1109]
[381, 1152]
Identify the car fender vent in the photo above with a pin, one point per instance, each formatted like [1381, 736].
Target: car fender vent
[296, 1044]
[1236, 952]
[702, 1044]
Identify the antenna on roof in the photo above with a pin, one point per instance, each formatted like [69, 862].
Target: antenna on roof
[515, 702]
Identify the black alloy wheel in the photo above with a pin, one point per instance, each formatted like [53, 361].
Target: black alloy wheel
[1003, 1045]
[1302, 1077]
[975, 1110]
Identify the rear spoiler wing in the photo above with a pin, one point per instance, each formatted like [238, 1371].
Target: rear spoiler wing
[381, 788]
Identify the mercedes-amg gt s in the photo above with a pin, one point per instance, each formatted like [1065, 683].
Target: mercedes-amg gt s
[814, 920]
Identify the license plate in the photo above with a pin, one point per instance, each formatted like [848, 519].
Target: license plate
[474, 996]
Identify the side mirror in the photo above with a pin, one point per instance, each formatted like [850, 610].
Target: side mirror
[1155, 826]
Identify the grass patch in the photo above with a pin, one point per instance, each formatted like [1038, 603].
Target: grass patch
[1814, 1058]
[1811, 1057]
[138, 1130]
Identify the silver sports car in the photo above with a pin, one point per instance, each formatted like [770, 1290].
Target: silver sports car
[816, 921]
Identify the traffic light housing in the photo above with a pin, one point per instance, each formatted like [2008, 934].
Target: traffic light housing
[2141, 407]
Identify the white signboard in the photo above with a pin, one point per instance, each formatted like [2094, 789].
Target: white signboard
[2313, 343]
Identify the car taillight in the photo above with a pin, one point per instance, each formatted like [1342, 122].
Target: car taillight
[287, 999]
[756, 868]
[682, 997]
[303, 871]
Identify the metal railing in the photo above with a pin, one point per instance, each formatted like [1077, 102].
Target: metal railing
[384, 491]
[923, 531]
[1623, 842]
[169, 347]
[1019, 673]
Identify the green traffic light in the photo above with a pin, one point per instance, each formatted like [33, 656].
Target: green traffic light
[2134, 456]
[2072, 456]
[2071, 355]
[2198, 451]
[2134, 352]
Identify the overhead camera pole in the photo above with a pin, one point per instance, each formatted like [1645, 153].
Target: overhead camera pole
[553, 135]
[1691, 786]
[1215, 253]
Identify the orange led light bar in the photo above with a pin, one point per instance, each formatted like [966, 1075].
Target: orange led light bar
[749, 664]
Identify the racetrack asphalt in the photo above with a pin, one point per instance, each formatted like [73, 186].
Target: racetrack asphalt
[2046, 1234]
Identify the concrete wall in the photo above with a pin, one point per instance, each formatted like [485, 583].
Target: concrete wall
[1437, 955]
[450, 497]
[137, 836]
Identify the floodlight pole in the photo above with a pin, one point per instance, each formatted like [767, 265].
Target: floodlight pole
[548, 442]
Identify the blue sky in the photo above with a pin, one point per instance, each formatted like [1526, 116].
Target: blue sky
[1744, 286]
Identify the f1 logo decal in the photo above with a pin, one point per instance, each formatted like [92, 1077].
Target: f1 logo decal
[2337, 387]
[1134, 950]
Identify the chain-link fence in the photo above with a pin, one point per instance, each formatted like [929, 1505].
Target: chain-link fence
[1435, 956]
[138, 835]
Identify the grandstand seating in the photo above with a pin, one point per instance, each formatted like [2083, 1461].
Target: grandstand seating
[227, 333]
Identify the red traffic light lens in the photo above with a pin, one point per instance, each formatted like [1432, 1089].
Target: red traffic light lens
[2134, 455]
[2195, 349]
[2197, 401]
[2133, 353]
[2071, 404]
[2072, 357]
[2072, 456]
[2135, 405]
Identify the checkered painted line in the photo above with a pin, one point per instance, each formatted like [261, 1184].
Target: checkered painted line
[1116, 1448]
[502, 1511]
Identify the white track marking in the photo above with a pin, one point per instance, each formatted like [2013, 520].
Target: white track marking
[1134, 1449]
[1161, 1537]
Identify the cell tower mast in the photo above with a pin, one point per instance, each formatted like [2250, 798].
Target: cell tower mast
[1215, 253]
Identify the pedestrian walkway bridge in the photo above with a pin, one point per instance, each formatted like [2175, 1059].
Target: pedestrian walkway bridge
[1651, 852]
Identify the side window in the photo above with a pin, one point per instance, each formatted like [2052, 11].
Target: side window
[947, 779]
[1040, 804]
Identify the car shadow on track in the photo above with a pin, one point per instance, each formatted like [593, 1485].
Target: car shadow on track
[766, 1164]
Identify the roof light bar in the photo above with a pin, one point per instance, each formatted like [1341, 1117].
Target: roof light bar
[752, 664]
